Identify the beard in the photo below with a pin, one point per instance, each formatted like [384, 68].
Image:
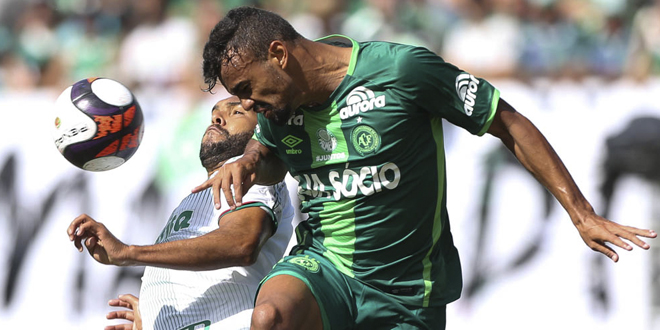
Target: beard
[213, 153]
[280, 116]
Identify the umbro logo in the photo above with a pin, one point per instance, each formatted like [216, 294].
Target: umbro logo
[292, 141]
[361, 99]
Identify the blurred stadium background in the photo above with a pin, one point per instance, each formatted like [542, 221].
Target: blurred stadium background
[585, 71]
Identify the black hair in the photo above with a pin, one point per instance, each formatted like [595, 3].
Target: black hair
[244, 30]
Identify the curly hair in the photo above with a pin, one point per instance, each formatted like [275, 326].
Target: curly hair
[244, 30]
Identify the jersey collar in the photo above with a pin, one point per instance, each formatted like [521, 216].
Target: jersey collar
[341, 41]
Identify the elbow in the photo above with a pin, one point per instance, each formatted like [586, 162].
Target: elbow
[247, 253]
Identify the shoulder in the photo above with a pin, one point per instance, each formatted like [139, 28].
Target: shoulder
[416, 60]
[403, 61]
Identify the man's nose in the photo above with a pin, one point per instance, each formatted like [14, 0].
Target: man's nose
[247, 104]
[218, 119]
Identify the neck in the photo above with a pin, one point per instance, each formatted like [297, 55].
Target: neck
[212, 170]
[322, 68]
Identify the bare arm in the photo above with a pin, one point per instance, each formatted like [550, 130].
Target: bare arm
[534, 152]
[237, 242]
[257, 166]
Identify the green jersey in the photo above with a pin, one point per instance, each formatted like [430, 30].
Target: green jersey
[370, 164]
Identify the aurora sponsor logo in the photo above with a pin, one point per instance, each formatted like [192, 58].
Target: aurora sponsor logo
[367, 180]
[466, 88]
[361, 99]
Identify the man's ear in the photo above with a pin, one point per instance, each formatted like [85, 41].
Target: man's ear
[278, 53]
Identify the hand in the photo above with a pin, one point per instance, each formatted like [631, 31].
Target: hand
[240, 174]
[133, 314]
[596, 231]
[101, 244]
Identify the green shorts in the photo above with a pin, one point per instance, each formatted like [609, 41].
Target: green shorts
[348, 303]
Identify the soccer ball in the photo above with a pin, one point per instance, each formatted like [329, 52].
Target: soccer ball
[98, 124]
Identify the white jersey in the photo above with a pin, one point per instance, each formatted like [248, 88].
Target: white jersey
[176, 299]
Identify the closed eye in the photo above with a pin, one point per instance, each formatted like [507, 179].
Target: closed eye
[243, 90]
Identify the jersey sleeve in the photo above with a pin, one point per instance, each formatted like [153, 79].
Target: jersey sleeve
[444, 90]
[268, 198]
[262, 133]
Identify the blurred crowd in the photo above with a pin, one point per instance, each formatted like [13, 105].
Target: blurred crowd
[157, 43]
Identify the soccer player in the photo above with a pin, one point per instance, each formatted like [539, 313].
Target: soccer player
[205, 266]
[359, 124]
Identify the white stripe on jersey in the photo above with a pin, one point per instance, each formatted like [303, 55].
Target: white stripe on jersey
[174, 299]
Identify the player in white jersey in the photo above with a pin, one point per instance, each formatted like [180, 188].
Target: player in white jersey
[204, 268]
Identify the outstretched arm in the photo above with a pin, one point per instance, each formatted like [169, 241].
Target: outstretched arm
[257, 166]
[237, 242]
[534, 152]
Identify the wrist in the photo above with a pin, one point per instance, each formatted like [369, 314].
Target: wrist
[252, 156]
[127, 256]
[579, 211]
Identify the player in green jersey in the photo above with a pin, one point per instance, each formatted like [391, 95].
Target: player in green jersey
[359, 125]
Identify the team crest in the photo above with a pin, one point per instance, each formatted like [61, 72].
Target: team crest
[327, 140]
[365, 139]
[306, 262]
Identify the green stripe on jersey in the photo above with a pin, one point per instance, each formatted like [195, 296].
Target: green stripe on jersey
[436, 128]
[338, 227]
[328, 144]
[493, 109]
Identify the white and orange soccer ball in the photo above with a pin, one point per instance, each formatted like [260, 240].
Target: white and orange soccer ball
[98, 124]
